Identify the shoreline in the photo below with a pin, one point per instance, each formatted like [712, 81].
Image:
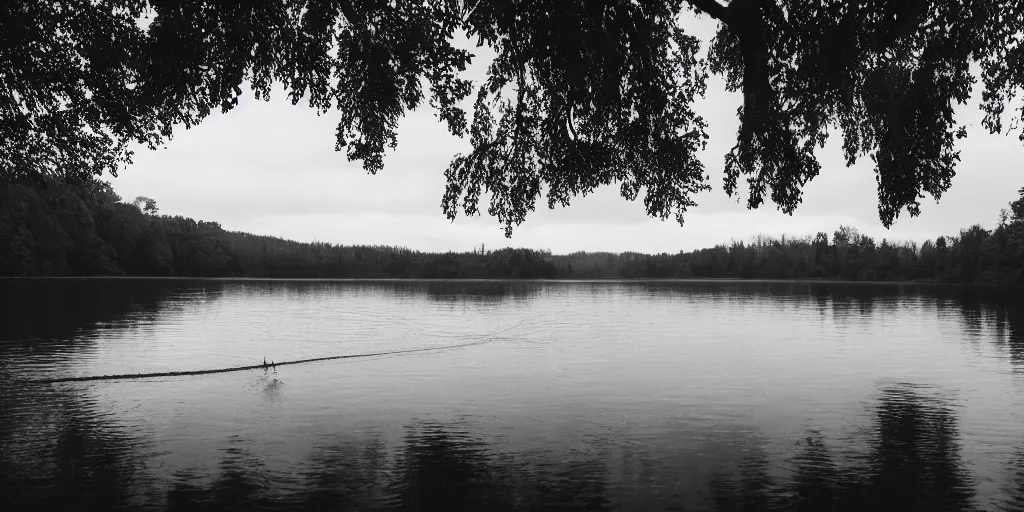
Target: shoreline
[932, 282]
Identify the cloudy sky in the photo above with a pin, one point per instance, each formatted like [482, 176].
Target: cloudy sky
[270, 168]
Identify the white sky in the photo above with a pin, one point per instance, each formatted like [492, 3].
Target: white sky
[270, 168]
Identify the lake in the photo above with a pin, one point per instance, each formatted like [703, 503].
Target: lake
[692, 395]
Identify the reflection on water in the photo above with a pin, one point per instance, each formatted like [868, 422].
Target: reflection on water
[912, 403]
[909, 461]
[56, 309]
[79, 459]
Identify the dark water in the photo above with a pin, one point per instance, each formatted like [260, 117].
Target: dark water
[586, 396]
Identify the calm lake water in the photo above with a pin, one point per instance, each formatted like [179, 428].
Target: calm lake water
[540, 396]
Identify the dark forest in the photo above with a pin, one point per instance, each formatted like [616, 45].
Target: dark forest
[62, 228]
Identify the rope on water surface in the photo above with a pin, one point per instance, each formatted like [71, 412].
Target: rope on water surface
[488, 339]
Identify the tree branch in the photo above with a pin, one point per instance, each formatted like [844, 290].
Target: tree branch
[711, 8]
[745, 19]
[572, 128]
[348, 9]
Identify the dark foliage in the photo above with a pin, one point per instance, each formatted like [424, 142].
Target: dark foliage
[581, 94]
[85, 229]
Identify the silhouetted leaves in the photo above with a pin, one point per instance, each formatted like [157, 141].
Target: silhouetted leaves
[581, 93]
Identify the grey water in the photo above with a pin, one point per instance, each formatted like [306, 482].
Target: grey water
[692, 395]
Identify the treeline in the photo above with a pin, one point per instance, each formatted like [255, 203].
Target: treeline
[83, 229]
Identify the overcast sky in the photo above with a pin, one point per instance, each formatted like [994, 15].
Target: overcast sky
[270, 168]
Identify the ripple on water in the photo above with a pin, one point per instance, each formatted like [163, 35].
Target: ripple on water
[704, 396]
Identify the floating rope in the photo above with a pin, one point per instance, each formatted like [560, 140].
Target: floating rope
[488, 339]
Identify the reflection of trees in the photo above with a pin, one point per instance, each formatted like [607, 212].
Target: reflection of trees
[578, 485]
[336, 477]
[752, 490]
[969, 306]
[45, 315]
[342, 476]
[477, 291]
[442, 469]
[1014, 499]
[459, 290]
[817, 480]
[915, 458]
[860, 298]
[241, 484]
[1012, 314]
[913, 463]
[1001, 311]
[57, 309]
[78, 463]
[438, 467]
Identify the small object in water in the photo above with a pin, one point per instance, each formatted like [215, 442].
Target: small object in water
[264, 362]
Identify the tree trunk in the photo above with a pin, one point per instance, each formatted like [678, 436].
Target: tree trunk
[746, 20]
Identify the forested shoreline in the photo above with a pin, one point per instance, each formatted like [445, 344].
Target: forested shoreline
[52, 228]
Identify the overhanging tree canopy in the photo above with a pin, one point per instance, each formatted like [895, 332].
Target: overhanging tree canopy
[582, 93]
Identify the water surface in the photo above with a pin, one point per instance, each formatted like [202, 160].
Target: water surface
[539, 396]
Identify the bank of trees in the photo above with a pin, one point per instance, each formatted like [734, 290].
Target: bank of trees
[55, 228]
[78, 228]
